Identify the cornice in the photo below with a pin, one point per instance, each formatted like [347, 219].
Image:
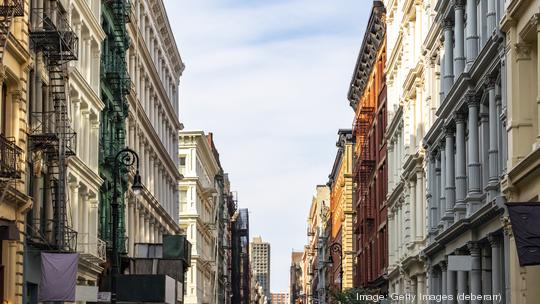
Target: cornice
[92, 22]
[82, 170]
[522, 170]
[373, 39]
[86, 89]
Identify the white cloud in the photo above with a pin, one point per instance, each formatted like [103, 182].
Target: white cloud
[270, 79]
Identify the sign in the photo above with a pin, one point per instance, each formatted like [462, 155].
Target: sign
[85, 293]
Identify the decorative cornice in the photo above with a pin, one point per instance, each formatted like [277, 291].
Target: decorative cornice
[373, 38]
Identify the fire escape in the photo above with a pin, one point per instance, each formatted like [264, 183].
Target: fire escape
[116, 83]
[9, 151]
[363, 171]
[51, 137]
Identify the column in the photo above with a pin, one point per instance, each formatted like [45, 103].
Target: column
[493, 140]
[151, 231]
[136, 223]
[444, 273]
[85, 228]
[131, 225]
[491, 17]
[83, 221]
[486, 269]
[413, 217]
[142, 226]
[448, 55]
[442, 186]
[451, 286]
[156, 233]
[88, 54]
[462, 284]
[147, 228]
[496, 264]
[74, 187]
[476, 275]
[429, 195]
[473, 196]
[472, 36]
[420, 206]
[459, 61]
[461, 169]
[436, 193]
[450, 175]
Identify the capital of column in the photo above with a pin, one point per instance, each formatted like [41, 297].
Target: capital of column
[443, 265]
[474, 248]
[448, 24]
[472, 100]
[494, 240]
[449, 128]
[490, 82]
[460, 117]
[459, 5]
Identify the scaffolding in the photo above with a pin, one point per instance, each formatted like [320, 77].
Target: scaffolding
[51, 134]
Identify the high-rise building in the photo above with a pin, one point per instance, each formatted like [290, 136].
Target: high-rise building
[259, 253]
[241, 271]
[279, 298]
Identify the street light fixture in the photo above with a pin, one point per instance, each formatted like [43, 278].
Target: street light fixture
[124, 158]
[336, 248]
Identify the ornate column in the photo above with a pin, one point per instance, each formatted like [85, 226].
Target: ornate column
[491, 17]
[493, 184]
[451, 285]
[147, 227]
[486, 270]
[131, 223]
[411, 216]
[448, 55]
[444, 273]
[460, 208]
[442, 186]
[476, 275]
[152, 230]
[420, 206]
[74, 187]
[420, 286]
[496, 263]
[450, 175]
[429, 195]
[436, 193]
[473, 196]
[472, 36]
[462, 284]
[136, 223]
[459, 61]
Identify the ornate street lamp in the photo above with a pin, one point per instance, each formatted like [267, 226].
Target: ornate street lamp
[124, 158]
[336, 248]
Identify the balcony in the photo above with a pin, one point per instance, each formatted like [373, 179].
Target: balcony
[13, 8]
[9, 158]
[91, 248]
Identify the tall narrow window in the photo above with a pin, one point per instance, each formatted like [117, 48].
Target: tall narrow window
[182, 165]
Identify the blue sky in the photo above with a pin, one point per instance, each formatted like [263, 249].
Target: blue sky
[270, 79]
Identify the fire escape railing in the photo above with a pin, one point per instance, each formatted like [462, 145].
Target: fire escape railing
[10, 155]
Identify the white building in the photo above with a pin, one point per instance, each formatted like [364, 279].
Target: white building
[411, 80]
[259, 253]
[198, 209]
[155, 67]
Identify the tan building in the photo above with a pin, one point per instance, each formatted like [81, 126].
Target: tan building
[279, 298]
[342, 213]
[14, 203]
[521, 23]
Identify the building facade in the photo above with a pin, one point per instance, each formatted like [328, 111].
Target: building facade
[279, 298]
[410, 80]
[520, 23]
[259, 254]
[14, 172]
[341, 209]
[154, 67]
[313, 258]
[466, 150]
[296, 278]
[367, 97]
[241, 271]
[198, 209]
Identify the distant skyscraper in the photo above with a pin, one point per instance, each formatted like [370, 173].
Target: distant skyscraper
[260, 263]
[280, 298]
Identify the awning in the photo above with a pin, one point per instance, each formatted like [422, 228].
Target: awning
[9, 230]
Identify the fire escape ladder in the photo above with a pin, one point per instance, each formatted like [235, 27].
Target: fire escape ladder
[51, 132]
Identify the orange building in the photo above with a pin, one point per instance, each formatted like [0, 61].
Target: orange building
[367, 96]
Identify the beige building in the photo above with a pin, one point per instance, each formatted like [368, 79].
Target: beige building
[521, 23]
[14, 203]
[259, 254]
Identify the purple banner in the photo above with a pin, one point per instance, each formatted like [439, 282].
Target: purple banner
[58, 276]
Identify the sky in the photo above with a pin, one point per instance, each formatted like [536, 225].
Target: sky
[270, 79]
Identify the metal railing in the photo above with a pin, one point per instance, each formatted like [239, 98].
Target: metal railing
[12, 8]
[89, 244]
[10, 154]
[43, 233]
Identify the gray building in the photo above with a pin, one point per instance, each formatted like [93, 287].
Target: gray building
[259, 252]
[466, 151]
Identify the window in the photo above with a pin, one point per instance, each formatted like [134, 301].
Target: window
[183, 200]
[182, 164]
